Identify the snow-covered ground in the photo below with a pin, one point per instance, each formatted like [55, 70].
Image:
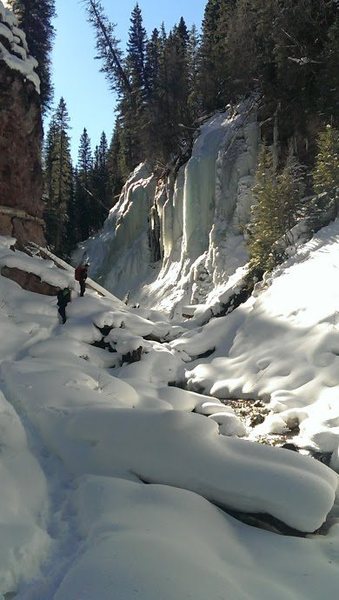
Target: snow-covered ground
[115, 483]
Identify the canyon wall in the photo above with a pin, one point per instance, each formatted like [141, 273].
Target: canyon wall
[21, 207]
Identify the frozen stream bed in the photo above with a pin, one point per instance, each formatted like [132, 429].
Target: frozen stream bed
[112, 481]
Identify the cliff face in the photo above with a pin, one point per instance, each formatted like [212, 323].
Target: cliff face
[20, 136]
[180, 240]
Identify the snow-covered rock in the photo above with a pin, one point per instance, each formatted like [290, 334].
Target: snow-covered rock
[15, 51]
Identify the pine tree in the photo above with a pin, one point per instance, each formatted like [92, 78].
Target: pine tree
[278, 208]
[136, 51]
[100, 184]
[107, 46]
[72, 233]
[133, 104]
[242, 48]
[329, 75]
[265, 226]
[326, 170]
[177, 68]
[58, 179]
[170, 108]
[35, 18]
[152, 63]
[115, 173]
[158, 131]
[152, 146]
[213, 55]
[83, 192]
[193, 53]
[291, 189]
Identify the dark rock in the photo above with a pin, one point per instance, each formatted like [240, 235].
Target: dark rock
[324, 457]
[204, 354]
[105, 329]
[29, 281]
[290, 446]
[256, 420]
[133, 356]
[264, 521]
[104, 345]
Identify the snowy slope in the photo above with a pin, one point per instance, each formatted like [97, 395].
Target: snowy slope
[193, 219]
[113, 486]
[283, 346]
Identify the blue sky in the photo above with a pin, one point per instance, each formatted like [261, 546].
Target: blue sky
[76, 74]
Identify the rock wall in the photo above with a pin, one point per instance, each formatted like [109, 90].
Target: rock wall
[21, 205]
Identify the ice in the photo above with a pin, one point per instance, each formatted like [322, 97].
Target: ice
[201, 213]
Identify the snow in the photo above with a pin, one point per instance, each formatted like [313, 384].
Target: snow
[119, 483]
[18, 57]
[283, 347]
[23, 503]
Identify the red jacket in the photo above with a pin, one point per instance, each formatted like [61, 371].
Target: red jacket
[80, 273]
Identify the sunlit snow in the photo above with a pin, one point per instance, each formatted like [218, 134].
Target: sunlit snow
[116, 484]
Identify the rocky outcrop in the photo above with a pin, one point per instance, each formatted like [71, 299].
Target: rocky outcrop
[21, 205]
[29, 281]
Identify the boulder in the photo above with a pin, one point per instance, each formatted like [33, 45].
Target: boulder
[29, 281]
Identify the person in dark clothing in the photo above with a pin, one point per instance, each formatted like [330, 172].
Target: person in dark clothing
[81, 276]
[63, 298]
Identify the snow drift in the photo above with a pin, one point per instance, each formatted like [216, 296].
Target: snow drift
[113, 478]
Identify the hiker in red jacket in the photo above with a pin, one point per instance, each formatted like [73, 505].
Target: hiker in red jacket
[80, 275]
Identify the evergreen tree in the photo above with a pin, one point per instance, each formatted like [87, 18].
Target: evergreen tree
[133, 104]
[100, 184]
[277, 209]
[83, 191]
[35, 18]
[58, 179]
[159, 119]
[169, 108]
[329, 75]
[177, 89]
[115, 173]
[152, 60]
[213, 74]
[242, 50]
[291, 189]
[107, 47]
[72, 233]
[326, 170]
[265, 226]
[154, 98]
[136, 51]
[193, 54]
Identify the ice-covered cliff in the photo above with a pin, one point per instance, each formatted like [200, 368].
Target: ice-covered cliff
[180, 239]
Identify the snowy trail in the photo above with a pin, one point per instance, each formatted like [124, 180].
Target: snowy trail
[58, 521]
